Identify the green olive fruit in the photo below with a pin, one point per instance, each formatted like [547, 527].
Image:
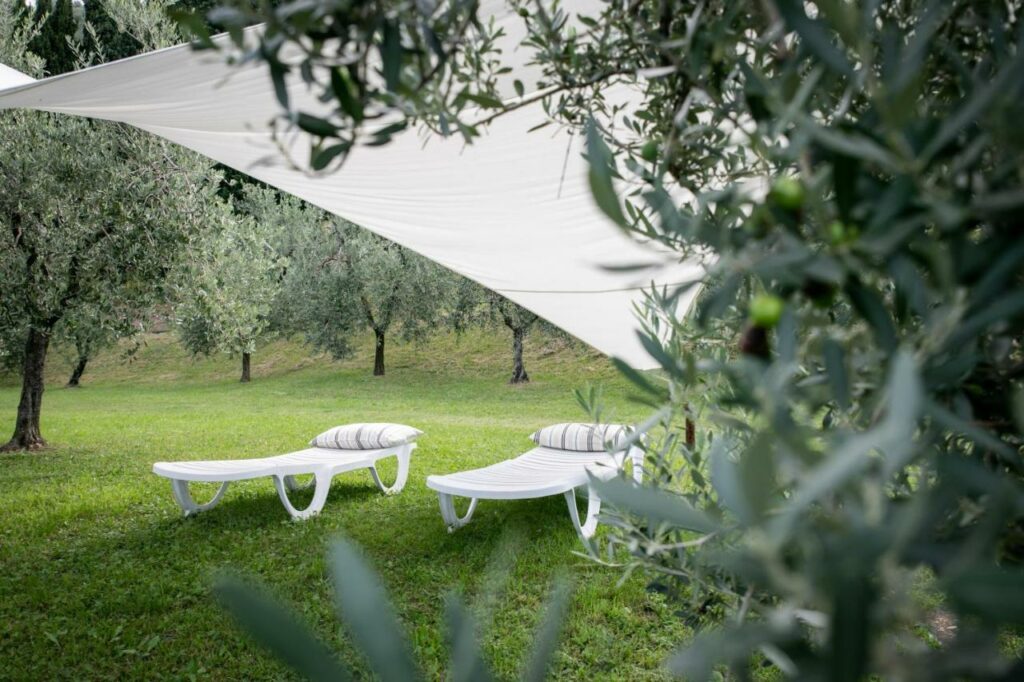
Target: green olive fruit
[842, 233]
[649, 152]
[837, 232]
[766, 310]
[787, 193]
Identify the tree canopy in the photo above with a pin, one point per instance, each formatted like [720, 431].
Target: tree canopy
[229, 290]
[342, 279]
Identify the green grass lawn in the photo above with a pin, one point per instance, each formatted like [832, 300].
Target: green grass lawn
[101, 577]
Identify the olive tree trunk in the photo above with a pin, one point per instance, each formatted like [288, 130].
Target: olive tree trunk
[27, 435]
[378, 354]
[76, 374]
[246, 360]
[519, 375]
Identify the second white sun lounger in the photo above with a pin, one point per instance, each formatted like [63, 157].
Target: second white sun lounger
[324, 463]
[541, 472]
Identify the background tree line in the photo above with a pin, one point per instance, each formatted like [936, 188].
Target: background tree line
[278, 267]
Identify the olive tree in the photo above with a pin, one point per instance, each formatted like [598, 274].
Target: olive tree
[103, 220]
[472, 304]
[65, 34]
[869, 309]
[519, 321]
[90, 328]
[344, 279]
[854, 172]
[229, 290]
[92, 216]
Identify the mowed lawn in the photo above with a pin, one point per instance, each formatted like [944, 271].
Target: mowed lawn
[101, 577]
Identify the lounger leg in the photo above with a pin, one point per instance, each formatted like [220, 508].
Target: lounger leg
[403, 456]
[323, 486]
[184, 498]
[292, 485]
[587, 528]
[451, 518]
[637, 455]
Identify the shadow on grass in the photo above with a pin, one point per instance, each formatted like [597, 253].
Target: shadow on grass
[257, 508]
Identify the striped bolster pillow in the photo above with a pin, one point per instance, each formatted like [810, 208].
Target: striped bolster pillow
[365, 436]
[582, 437]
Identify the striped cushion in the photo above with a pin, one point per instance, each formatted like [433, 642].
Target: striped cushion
[365, 436]
[581, 437]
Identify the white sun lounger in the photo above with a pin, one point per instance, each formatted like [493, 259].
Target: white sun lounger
[541, 472]
[322, 463]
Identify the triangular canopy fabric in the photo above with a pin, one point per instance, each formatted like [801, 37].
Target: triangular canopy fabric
[513, 211]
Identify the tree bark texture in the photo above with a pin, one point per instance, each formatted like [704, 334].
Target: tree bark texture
[76, 374]
[519, 375]
[378, 354]
[27, 435]
[379, 324]
[246, 360]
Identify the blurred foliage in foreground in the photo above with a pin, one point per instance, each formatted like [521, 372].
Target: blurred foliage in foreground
[363, 604]
[855, 170]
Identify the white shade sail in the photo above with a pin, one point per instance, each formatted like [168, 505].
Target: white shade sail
[512, 211]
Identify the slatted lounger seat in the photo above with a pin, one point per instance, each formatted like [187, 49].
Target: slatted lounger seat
[322, 462]
[541, 472]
